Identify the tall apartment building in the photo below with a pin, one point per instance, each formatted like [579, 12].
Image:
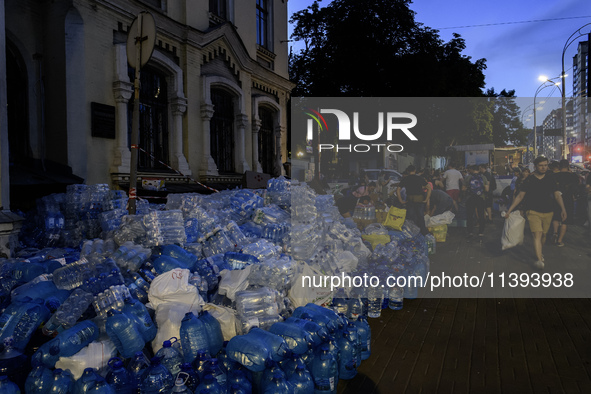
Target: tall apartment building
[581, 110]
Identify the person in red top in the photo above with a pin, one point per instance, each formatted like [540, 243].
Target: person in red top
[539, 190]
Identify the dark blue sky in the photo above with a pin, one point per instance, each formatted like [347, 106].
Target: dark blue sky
[516, 53]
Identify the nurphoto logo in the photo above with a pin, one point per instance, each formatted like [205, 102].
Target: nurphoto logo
[391, 120]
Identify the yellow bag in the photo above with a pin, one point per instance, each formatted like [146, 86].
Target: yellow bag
[376, 239]
[439, 232]
[395, 218]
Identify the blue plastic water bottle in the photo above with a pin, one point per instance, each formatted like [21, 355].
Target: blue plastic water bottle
[348, 362]
[8, 387]
[192, 380]
[210, 385]
[238, 377]
[157, 378]
[325, 372]
[118, 377]
[301, 380]
[214, 332]
[278, 385]
[39, 380]
[364, 333]
[138, 365]
[275, 343]
[124, 333]
[200, 364]
[194, 337]
[298, 340]
[170, 357]
[66, 343]
[63, 382]
[136, 310]
[88, 379]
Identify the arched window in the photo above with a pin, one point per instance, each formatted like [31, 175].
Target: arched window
[266, 140]
[153, 136]
[222, 130]
[18, 104]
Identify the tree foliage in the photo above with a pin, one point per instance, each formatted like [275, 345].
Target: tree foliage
[506, 125]
[376, 48]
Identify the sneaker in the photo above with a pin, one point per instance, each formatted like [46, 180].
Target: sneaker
[539, 264]
[555, 239]
[560, 244]
[481, 235]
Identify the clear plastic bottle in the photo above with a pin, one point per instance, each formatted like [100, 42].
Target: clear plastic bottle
[194, 337]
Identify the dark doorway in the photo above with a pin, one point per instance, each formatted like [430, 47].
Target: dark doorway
[17, 87]
[153, 138]
[222, 130]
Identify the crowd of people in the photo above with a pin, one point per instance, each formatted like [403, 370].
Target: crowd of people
[545, 197]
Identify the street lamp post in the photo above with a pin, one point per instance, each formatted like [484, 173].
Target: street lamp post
[569, 41]
[540, 88]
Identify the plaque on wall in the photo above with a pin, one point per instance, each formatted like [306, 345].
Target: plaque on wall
[102, 120]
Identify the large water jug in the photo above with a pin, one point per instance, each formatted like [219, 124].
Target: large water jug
[201, 363]
[317, 333]
[301, 380]
[210, 385]
[124, 333]
[63, 382]
[8, 387]
[298, 340]
[348, 362]
[39, 380]
[276, 344]
[170, 357]
[325, 372]
[157, 378]
[238, 377]
[138, 365]
[118, 377]
[249, 351]
[194, 336]
[180, 254]
[192, 378]
[214, 332]
[136, 310]
[364, 333]
[88, 379]
[66, 343]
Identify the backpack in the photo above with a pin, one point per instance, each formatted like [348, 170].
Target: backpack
[476, 185]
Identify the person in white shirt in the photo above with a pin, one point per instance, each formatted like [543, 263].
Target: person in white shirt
[453, 182]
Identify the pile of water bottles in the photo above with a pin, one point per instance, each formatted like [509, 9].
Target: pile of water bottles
[83, 309]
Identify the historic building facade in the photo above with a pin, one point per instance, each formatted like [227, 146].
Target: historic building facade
[213, 100]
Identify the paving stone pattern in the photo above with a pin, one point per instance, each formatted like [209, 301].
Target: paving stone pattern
[502, 345]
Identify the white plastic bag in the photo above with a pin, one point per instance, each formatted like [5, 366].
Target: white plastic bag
[173, 286]
[95, 355]
[233, 281]
[226, 317]
[303, 290]
[513, 230]
[168, 320]
[445, 218]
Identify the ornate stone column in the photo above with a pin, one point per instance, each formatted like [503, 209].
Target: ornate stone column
[208, 166]
[122, 156]
[256, 127]
[241, 121]
[178, 106]
[278, 162]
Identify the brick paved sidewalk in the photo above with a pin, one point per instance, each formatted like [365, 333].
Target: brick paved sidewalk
[484, 345]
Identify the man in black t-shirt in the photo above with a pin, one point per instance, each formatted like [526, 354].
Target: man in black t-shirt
[415, 197]
[540, 189]
[568, 182]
